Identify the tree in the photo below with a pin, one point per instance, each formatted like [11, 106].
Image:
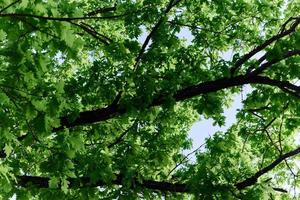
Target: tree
[97, 98]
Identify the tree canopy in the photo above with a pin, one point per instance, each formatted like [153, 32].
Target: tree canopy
[97, 98]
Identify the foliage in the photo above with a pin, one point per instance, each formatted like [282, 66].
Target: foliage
[97, 98]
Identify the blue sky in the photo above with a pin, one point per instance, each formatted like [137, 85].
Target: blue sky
[204, 128]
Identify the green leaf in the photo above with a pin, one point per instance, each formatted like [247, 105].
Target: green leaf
[24, 3]
[68, 36]
[71, 153]
[30, 112]
[4, 99]
[60, 86]
[64, 185]
[40, 105]
[2, 35]
[8, 149]
[53, 182]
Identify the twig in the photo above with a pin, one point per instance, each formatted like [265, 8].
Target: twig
[102, 10]
[258, 109]
[91, 31]
[279, 133]
[120, 138]
[257, 115]
[19, 90]
[184, 158]
[280, 190]
[26, 121]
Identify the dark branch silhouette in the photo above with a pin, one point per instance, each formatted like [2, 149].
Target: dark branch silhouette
[62, 19]
[43, 182]
[102, 114]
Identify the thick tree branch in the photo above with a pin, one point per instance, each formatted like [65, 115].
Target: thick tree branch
[62, 19]
[102, 114]
[92, 116]
[43, 182]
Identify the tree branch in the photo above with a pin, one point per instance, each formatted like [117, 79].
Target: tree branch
[280, 190]
[170, 5]
[184, 159]
[264, 66]
[253, 179]
[285, 86]
[268, 42]
[102, 114]
[102, 10]
[8, 6]
[120, 137]
[43, 182]
[90, 30]
[115, 109]
[62, 19]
